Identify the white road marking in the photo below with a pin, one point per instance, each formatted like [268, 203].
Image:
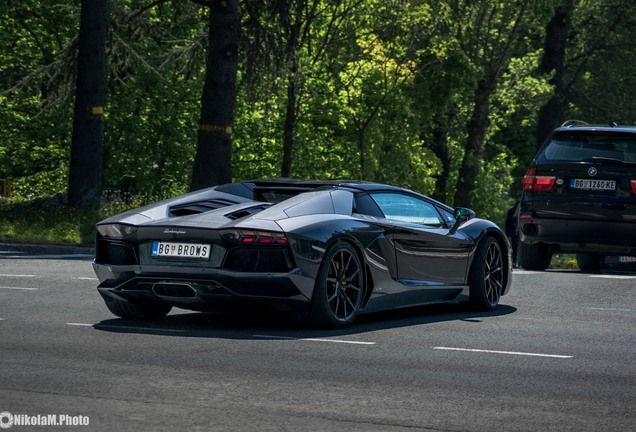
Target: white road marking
[88, 278]
[609, 309]
[18, 288]
[316, 340]
[504, 352]
[613, 276]
[80, 324]
[58, 256]
[25, 256]
[18, 275]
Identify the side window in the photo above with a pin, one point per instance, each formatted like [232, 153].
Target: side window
[405, 208]
[450, 217]
[365, 205]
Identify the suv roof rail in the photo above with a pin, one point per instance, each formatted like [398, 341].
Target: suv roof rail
[570, 123]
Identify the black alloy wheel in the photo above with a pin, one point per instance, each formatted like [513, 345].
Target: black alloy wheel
[487, 275]
[339, 287]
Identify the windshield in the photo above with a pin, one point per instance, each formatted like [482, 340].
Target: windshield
[588, 146]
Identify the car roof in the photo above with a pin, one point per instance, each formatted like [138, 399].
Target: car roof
[280, 189]
[286, 183]
[581, 126]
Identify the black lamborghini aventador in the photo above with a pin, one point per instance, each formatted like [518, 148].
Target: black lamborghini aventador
[330, 249]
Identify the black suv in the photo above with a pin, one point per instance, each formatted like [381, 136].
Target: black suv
[579, 196]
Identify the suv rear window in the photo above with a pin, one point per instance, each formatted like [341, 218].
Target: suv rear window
[585, 146]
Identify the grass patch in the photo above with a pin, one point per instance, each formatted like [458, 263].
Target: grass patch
[49, 220]
[564, 261]
[43, 220]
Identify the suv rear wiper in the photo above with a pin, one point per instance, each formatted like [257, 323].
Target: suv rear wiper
[598, 159]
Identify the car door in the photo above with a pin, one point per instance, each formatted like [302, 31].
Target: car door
[427, 253]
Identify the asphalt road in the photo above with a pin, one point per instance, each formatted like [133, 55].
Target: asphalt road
[559, 354]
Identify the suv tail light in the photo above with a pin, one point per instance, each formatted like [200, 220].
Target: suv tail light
[533, 182]
[633, 182]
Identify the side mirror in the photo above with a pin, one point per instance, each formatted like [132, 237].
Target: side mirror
[462, 215]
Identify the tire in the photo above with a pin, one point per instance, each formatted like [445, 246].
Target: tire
[487, 273]
[534, 256]
[339, 287]
[145, 311]
[589, 262]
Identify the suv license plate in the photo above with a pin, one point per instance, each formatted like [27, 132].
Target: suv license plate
[590, 184]
[181, 250]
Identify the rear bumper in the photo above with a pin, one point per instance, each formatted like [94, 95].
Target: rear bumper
[606, 238]
[202, 289]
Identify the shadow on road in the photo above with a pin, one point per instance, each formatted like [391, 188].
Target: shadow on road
[249, 324]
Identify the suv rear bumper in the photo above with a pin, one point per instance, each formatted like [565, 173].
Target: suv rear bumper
[605, 238]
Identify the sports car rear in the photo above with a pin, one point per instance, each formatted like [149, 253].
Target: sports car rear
[199, 267]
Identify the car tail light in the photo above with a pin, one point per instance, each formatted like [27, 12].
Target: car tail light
[255, 237]
[116, 231]
[533, 182]
[633, 182]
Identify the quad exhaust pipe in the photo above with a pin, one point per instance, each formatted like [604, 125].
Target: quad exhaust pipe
[173, 290]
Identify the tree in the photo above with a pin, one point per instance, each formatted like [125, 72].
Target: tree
[497, 31]
[553, 64]
[394, 91]
[36, 37]
[599, 62]
[213, 160]
[85, 171]
[292, 38]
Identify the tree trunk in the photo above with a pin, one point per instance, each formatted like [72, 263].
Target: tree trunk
[471, 165]
[85, 170]
[290, 122]
[213, 160]
[293, 28]
[440, 148]
[550, 114]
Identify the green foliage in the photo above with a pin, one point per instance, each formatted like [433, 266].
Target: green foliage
[492, 192]
[257, 149]
[34, 123]
[40, 219]
[50, 220]
[600, 58]
[40, 184]
[154, 154]
[564, 262]
[385, 92]
[514, 111]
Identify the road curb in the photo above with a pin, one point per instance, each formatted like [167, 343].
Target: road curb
[48, 248]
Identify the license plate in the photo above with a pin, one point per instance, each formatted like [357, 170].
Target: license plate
[592, 184]
[181, 250]
[627, 259]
